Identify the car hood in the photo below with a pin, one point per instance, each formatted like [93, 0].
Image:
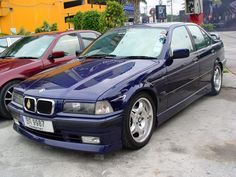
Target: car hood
[11, 63]
[83, 80]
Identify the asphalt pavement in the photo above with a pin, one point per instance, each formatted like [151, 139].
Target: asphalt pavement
[198, 142]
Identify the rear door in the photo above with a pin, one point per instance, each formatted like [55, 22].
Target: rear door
[205, 52]
[182, 74]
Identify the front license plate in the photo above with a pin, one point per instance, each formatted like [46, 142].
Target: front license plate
[36, 124]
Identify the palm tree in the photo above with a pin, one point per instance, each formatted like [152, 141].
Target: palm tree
[136, 4]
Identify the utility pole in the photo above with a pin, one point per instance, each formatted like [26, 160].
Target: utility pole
[171, 6]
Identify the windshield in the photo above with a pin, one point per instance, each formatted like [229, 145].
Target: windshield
[146, 42]
[29, 47]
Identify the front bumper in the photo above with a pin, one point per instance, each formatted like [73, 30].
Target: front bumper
[68, 131]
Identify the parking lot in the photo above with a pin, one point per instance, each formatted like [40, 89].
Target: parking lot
[198, 142]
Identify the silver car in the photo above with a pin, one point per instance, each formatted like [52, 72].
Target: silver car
[6, 41]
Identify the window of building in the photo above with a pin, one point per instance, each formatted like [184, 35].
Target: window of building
[71, 4]
[100, 2]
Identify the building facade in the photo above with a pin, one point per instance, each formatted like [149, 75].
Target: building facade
[221, 13]
[30, 14]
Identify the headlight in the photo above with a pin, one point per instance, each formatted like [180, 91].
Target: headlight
[79, 108]
[18, 98]
[103, 107]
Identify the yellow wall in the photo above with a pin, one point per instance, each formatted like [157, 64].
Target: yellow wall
[30, 14]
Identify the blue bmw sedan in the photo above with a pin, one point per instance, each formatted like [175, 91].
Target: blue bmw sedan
[120, 88]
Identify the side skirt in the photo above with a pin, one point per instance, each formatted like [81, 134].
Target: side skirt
[165, 115]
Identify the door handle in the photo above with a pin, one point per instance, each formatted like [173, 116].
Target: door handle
[213, 51]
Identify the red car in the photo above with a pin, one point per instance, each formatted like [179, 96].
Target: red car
[33, 54]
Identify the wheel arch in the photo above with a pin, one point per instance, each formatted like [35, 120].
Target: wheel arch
[15, 79]
[220, 63]
[150, 92]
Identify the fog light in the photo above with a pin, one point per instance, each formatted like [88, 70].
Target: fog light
[16, 118]
[90, 139]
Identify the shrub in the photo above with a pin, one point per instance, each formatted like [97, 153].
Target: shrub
[90, 20]
[22, 32]
[208, 27]
[76, 20]
[114, 15]
[46, 27]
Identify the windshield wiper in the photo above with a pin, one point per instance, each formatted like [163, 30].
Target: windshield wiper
[139, 57]
[106, 56]
[26, 57]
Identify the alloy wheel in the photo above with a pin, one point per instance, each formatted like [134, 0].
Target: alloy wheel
[141, 120]
[8, 96]
[217, 78]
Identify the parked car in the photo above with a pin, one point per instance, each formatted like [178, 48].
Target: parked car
[33, 54]
[126, 83]
[7, 41]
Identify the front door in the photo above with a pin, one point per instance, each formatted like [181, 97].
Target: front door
[183, 73]
[68, 44]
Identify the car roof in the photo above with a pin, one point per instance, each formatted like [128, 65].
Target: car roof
[166, 25]
[63, 32]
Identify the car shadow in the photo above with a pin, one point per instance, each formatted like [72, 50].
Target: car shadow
[5, 123]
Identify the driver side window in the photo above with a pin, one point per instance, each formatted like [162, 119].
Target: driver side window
[181, 39]
[68, 43]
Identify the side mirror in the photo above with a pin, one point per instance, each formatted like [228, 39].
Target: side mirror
[181, 53]
[57, 54]
[78, 52]
[215, 36]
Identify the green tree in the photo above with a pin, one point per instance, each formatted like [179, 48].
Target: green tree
[22, 31]
[113, 16]
[46, 27]
[208, 27]
[54, 27]
[90, 20]
[76, 20]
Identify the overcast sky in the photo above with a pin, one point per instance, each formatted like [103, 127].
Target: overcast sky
[152, 3]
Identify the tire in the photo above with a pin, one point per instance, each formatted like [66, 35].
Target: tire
[139, 121]
[5, 98]
[216, 81]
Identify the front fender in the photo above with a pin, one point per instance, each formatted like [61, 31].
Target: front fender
[120, 95]
[5, 79]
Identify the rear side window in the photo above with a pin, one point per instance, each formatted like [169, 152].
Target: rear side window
[88, 38]
[207, 38]
[181, 39]
[68, 43]
[198, 37]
